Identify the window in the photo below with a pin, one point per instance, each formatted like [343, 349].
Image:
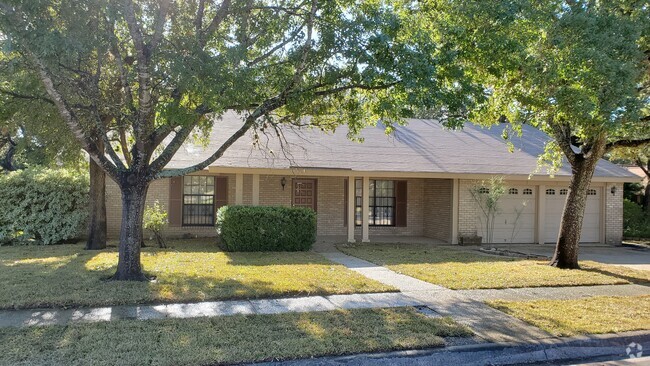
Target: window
[563, 192]
[550, 192]
[382, 203]
[513, 191]
[591, 192]
[483, 190]
[198, 201]
[527, 191]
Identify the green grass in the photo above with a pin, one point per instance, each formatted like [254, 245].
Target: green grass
[231, 339]
[461, 269]
[583, 316]
[66, 275]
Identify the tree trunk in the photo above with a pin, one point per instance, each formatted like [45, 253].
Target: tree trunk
[134, 193]
[566, 249]
[646, 199]
[97, 221]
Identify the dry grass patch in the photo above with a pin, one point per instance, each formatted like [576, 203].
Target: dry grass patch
[202, 341]
[460, 269]
[592, 315]
[66, 275]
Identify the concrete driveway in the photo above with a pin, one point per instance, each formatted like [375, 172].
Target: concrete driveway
[636, 258]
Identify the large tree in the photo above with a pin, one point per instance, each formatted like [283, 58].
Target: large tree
[639, 156]
[577, 69]
[161, 69]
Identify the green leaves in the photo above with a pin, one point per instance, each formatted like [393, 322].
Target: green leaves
[42, 206]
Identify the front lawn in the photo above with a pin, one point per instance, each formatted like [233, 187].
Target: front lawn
[67, 275]
[582, 316]
[462, 269]
[202, 341]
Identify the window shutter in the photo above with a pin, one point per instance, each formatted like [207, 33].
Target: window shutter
[221, 192]
[175, 201]
[345, 203]
[400, 203]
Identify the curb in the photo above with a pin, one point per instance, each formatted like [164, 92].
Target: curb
[505, 353]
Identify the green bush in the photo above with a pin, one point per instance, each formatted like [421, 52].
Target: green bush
[42, 206]
[263, 228]
[636, 223]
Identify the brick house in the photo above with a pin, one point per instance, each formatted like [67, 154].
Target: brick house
[413, 183]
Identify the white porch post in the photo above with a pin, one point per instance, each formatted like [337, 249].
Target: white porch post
[239, 188]
[256, 189]
[455, 203]
[351, 205]
[365, 237]
[541, 213]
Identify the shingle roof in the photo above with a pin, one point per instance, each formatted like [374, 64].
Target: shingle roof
[422, 146]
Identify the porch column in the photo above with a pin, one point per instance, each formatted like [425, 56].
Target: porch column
[350, 208]
[541, 213]
[455, 203]
[365, 237]
[256, 189]
[239, 188]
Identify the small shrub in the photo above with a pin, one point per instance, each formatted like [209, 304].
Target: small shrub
[636, 223]
[263, 228]
[155, 220]
[42, 206]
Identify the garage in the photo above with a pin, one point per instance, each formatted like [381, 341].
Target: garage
[515, 220]
[555, 198]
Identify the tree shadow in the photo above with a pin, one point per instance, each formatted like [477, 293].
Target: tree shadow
[46, 279]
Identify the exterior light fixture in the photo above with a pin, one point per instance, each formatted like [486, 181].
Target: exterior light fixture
[283, 182]
[613, 190]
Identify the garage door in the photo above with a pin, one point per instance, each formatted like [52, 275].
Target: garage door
[555, 198]
[515, 221]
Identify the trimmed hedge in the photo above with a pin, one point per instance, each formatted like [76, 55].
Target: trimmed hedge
[265, 228]
[42, 206]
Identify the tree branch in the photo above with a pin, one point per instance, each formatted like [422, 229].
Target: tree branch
[25, 96]
[627, 143]
[218, 18]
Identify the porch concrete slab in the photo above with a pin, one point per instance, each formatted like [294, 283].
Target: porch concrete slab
[381, 274]
[381, 300]
[564, 293]
[293, 305]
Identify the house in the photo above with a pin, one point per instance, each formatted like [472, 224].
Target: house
[412, 183]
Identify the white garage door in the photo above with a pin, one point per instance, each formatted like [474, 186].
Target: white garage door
[515, 220]
[555, 198]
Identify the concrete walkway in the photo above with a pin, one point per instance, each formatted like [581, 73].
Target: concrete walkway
[35, 317]
[488, 323]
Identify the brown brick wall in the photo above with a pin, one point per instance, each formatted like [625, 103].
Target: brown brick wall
[438, 208]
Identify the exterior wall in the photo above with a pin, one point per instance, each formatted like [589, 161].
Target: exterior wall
[437, 210]
[468, 211]
[613, 213]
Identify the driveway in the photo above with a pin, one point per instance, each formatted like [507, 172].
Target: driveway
[636, 258]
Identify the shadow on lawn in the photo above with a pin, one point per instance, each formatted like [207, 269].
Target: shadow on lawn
[44, 277]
